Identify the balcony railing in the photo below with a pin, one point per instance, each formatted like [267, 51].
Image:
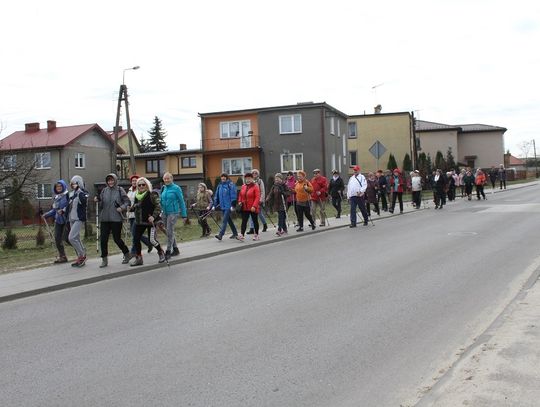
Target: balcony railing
[216, 143]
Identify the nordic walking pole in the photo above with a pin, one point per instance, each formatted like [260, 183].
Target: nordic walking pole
[323, 211]
[98, 229]
[48, 229]
[285, 209]
[268, 216]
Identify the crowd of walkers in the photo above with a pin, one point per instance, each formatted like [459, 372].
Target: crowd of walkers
[149, 210]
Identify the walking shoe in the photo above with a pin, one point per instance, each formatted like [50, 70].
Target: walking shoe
[136, 261]
[233, 236]
[104, 262]
[240, 237]
[161, 257]
[127, 258]
[167, 255]
[61, 259]
[279, 233]
[353, 225]
[265, 227]
[150, 249]
[322, 224]
[250, 231]
[175, 251]
[312, 226]
[81, 260]
[218, 237]
[365, 223]
[255, 237]
[300, 229]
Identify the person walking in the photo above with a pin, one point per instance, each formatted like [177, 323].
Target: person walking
[112, 201]
[59, 212]
[397, 186]
[78, 201]
[356, 191]
[225, 199]
[303, 189]
[319, 195]
[131, 216]
[173, 206]
[383, 188]
[480, 180]
[450, 186]
[249, 200]
[371, 194]
[439, 189]
[502, 176]
[260, 183]
[147, 211]
[468, 182]
[416, 188]
[462, 174]
[493, 175]
[276, 200]
[202, 206]
[335, 189]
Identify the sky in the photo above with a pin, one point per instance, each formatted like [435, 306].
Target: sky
[452, 62]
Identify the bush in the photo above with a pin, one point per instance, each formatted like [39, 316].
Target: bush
[10, 241]
[40, 237]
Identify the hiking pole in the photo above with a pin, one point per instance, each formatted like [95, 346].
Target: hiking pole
[323, 211]
[98, 229]
[285, 209]
[268, 216]
[209, 214]
[48, 229]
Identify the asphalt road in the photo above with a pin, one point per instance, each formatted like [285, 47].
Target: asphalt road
[370, 316]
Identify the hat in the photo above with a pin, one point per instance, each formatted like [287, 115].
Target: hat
[335, 172]
[356, 168]
[248, 175]
[279, 175]
[316, 170]
[134, 176]
[417, 172]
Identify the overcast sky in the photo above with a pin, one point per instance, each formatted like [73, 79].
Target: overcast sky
[453, 62]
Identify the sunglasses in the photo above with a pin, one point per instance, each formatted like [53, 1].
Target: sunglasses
[141, 185]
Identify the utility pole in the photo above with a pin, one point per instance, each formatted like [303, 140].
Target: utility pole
[535, 160]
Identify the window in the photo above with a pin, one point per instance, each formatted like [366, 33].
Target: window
[292, 162]
[189, 162]
[43, 160]
[80, 160]
[236, 166]
[235, 129]
[352, 129]
[9, 162]
[352, 158]
[290, 124]
[332, 126]
[44, 191]
[155, 166]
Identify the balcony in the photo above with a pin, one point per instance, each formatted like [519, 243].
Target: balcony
[234, 143]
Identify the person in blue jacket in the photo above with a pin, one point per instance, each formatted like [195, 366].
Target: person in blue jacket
[172, 206]
[225, 200]
[58, 211]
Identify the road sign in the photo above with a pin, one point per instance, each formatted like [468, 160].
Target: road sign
[377, 149]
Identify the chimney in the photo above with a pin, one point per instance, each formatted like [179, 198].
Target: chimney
[31, 127]
[117, 127]
[51, 125]
[378, 109]
[183, 146]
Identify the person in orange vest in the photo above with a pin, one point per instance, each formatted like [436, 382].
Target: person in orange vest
[303, 189]
[480, 180]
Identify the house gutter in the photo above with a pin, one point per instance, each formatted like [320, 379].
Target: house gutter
[323, 149]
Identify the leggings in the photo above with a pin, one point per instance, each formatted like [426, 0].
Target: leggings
[254, 220]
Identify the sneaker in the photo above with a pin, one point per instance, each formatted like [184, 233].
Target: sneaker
[136, 261]
[104, 262]
[279, 233]
[161, 256]
[218, 237]
[250, 231]
[365, 223]
[265, 228]
[61, 259]
[150, 248]
[300, 229]
[255, 237]
[233, 236]
[81, 260]
[352, 225]
[167, 255]
[127, 258]
[175, 251]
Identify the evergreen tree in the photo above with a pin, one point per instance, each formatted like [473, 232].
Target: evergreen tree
[440, 163]
[423, 164]
[407, 163]
[429, 164]
[208, 183]
[392, 164]
[157, 136]
[450, 162]
[144, 145]
[216, 183]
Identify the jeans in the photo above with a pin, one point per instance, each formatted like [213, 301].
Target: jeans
[282, 223]
[254, 220]
[59, 238]
[227, 220]
[144, 239]
[358, 201]
[336, 203]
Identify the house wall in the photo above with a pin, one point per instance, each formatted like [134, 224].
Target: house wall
[212, 132]
[487, 146]
[213, 162]
[433, 141]
[393, 131]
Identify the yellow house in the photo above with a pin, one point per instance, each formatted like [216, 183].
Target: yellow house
[186, 167]
[373, 137]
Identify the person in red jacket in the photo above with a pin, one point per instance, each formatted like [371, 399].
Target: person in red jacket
[397, 186]
[319, 195]
[249, 200]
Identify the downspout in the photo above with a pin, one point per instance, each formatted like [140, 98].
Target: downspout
[414, 151]
[323, 149]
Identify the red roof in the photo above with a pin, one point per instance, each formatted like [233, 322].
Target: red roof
[514, 161]
[57, 137]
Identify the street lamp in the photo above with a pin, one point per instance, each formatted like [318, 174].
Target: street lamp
[123, 96]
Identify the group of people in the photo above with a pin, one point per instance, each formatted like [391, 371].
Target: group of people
[147, 210]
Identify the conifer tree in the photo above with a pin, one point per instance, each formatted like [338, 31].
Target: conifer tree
[440, 163]
[450, 162]
[407, 163]
[157, 136]
[392, 164]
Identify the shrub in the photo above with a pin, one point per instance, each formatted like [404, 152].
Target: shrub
[10, 241]
[40, 237]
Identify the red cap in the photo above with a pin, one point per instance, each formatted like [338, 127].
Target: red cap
[356, 168]
[134, 176]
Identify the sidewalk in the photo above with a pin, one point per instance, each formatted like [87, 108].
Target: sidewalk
[502, 368]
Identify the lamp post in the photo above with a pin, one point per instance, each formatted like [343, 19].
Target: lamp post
[123, 96]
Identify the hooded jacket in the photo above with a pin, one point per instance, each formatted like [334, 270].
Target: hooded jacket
[203, 200]
[172, 200]
[110, 199]
[78, 199]
[225, 196]
[60, 203]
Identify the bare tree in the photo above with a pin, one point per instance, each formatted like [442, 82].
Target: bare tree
[18, 174]
[525, 147]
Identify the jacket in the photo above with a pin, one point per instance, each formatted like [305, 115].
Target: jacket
[249, 197]
[146, 207]
[78, 200]
[480, 178]
[371, 190]
[320, 184]
[203, 200]
[172, 200]
[356, 186]
[277, 197]
[291, 182]
[225, 196]
[303, 190]
[59, 206]
[110, 199]
[336, 187]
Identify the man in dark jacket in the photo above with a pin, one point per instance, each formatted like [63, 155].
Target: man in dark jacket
[336, 191]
